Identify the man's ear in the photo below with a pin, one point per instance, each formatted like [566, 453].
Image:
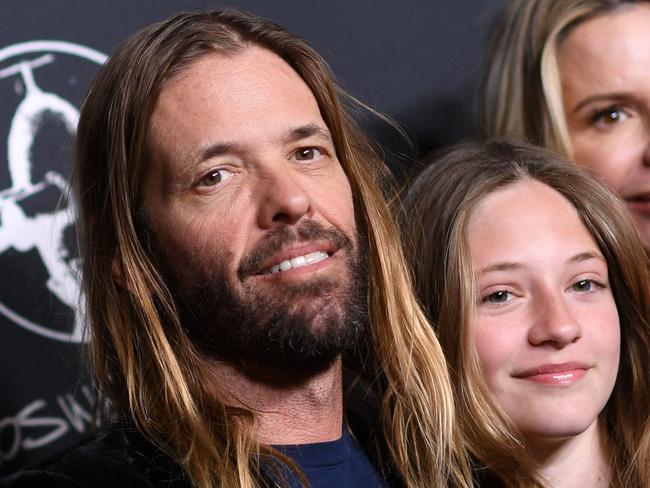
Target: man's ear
[118, 272]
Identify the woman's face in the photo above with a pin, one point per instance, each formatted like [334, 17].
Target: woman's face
[547, 329]
[605, 74]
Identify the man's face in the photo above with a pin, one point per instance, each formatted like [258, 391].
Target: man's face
[250, 214]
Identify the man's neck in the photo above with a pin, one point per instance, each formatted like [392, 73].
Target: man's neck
[302, 412]
[581, 460]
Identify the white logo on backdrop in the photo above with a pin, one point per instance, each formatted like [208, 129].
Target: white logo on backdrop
[43, 232]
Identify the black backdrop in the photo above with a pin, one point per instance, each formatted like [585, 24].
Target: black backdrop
[413, 60]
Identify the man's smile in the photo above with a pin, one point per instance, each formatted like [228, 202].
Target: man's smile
[292, 251]
[299, 261]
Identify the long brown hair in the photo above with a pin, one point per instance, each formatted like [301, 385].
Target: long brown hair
[142, 359]
[521, 95]
[439, 205]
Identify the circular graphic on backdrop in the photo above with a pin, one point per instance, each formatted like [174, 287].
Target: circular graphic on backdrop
[41, 84]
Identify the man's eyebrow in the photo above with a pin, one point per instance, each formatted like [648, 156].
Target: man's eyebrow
[505, 266]
[307, 130]
[203, 154]
[214, 150]
[296, 134]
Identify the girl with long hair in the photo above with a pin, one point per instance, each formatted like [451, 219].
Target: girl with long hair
[536, 280]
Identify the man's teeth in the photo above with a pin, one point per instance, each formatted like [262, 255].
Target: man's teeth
[298, 261]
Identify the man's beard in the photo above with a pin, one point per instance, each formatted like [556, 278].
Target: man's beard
[284, 326]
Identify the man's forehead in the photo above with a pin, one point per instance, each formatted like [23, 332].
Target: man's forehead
[222, 103]
[250, 67]
[204, 61]
[254, 80]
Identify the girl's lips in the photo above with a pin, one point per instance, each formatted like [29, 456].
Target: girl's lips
[558, 379]
[554, 374]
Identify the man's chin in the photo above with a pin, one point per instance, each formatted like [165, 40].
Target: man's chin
[287, 341]
[286, 293]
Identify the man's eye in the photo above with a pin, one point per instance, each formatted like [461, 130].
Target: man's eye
[214, 177]
[307, 153]
[500, 296]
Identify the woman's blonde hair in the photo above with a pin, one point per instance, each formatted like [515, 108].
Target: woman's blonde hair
[142, 359]
[521, 96]
[439, 206]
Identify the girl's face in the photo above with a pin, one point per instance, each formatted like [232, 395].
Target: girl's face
[605, 75]
[547, 329]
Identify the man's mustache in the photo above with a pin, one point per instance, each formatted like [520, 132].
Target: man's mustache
[307, 230]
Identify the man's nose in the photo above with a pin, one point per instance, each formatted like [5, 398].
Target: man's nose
[284, 199]
[554, 323]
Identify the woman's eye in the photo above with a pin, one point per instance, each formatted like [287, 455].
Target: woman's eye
[500, 296]
[610, 116]
[307, 153]
[214, 177]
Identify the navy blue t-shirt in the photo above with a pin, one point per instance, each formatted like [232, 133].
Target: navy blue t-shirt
[340, 464]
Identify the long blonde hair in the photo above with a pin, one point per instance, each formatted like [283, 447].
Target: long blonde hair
[521, 95]
[439, 205]
[142, 359]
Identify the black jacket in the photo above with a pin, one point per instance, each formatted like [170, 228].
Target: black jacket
[117, 457]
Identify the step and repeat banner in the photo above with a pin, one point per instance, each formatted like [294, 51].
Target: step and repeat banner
[415, 61]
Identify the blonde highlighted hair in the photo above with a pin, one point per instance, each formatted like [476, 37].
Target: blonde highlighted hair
[439, 205]
[521, 96]
[142, 359]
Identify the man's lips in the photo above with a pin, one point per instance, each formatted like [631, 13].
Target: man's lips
[289, 242]
[297, 256]
[554, 374]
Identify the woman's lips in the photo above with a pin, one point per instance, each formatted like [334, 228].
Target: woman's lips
[639, 203]
[554, 374]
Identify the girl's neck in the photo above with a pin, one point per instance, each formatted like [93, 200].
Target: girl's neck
[581, 460]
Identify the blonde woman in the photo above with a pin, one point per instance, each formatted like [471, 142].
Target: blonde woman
[536, 280]
[572, 75]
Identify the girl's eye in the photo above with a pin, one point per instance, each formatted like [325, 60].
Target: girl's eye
[585, 286]
[214, 177]
[500, 296]
[307, 153]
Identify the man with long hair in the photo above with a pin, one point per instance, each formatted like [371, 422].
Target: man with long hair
[252, 319]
